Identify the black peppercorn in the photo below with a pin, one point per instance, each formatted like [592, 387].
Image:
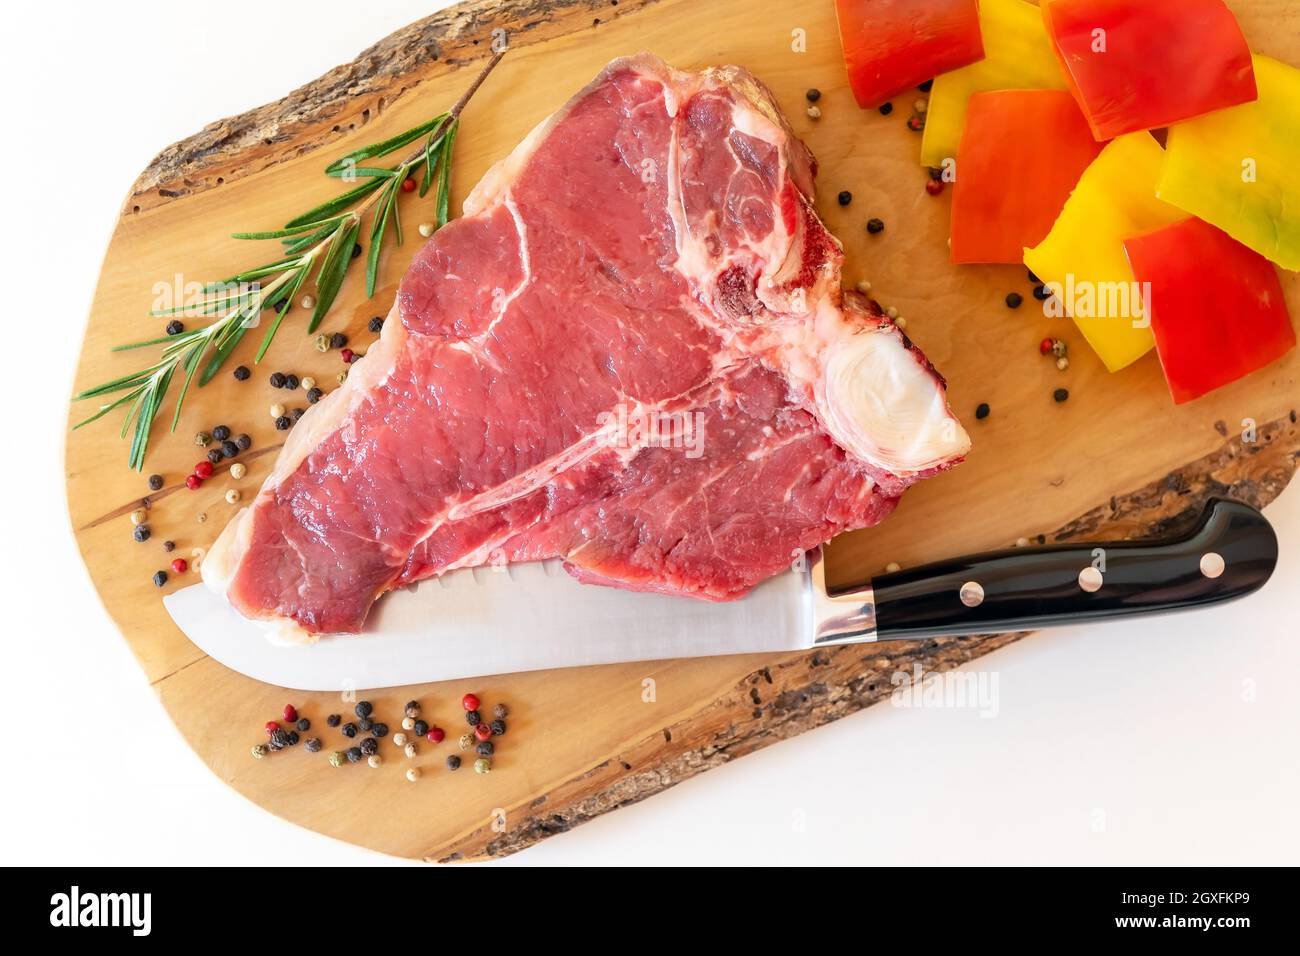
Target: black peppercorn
[277, 380]
[498, 727]
[925, 87]
[313, 745]
[141, 532]
[279, 738]
[365, 723]
[356, 249]
[453, 762]
[333, 720]
[291, 382]
[221, 433]
[379, 730]
[243, 442]
[338, 340]
[364, 708]
[155, 482]
[500, 710]
[473, 718]
[484, 749]
[875, 226]
[885, 108]
[296, 414]
[936, 174]
[845, 197]
[354, 755]
[175, 327]
[314, 395]
[376, 324]
[982, 410]
[1033, 279]
[421, 728]
[229, 448]
[293, 738]
[1061, 394]
[813, 95]
[349, 729]
[282, 423]
[1014, 299]
[169, 546]
[215, 455]
[242, 373]
[304, 725]
[159, 578]
[1042, 293]
[369, 746]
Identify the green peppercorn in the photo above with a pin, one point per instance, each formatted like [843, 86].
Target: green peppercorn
[259, 751]
[482, 765]
[322, 343]
[336, 759]
[202, 438]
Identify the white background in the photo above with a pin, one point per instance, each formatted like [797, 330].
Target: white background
[1170, 741]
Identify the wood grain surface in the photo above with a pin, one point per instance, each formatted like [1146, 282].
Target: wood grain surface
[1116, 460]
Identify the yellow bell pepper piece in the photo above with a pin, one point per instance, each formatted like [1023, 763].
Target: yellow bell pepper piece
[1239, 168]
[1017, 56]
[1083, 257]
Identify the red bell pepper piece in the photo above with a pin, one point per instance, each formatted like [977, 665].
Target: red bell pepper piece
[1021, 153]
[893, 45]
[1216, 307]
[1142, 64]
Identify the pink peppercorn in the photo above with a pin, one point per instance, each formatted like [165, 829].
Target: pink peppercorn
[436, 735]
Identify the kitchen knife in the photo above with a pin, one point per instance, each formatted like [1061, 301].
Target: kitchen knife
[536, 617]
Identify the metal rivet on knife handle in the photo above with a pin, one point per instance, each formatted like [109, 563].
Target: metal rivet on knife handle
[1090, 579]
[971, 594]
[1212, 564]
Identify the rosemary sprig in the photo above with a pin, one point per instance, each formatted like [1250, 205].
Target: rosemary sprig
[319, 241]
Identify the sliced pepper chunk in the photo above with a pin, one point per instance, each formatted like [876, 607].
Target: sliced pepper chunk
[1217, 308]
[1017, 56]
[1083, 260]
[1141, 65]
[1238, 169]
[894, 45]
[1021, 153]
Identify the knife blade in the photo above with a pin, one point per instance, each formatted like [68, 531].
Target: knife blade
[484, 621]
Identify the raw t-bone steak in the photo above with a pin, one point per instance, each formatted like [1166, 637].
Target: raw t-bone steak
[631, 352]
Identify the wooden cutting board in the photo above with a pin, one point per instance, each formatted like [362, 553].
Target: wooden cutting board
[1118, 459]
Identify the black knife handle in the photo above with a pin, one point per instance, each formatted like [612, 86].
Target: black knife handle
[1024, 588]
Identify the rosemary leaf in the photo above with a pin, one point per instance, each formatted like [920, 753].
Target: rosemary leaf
[337, 204]
[332, 271]
[384, 147]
